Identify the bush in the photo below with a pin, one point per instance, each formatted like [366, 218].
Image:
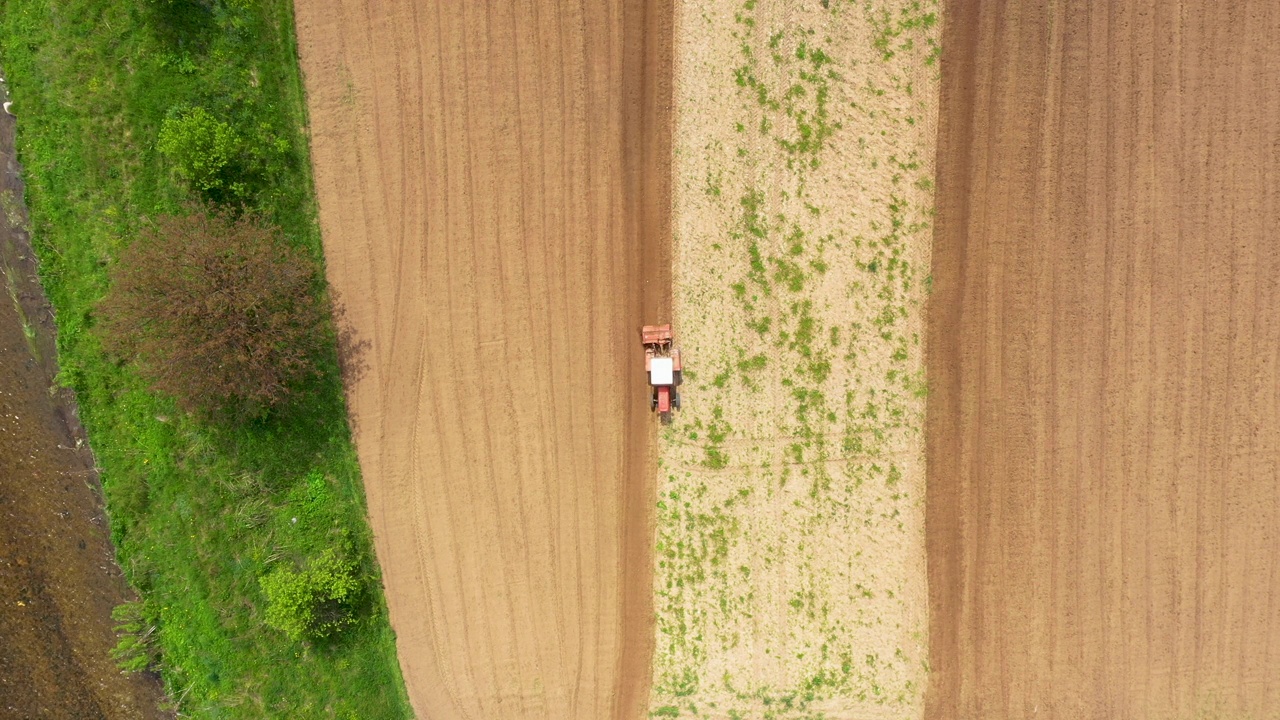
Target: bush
[218, 312]
[200, 145]
[316, 602]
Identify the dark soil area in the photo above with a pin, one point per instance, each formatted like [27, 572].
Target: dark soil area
[58, 577]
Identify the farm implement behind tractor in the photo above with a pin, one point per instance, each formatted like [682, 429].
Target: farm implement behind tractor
[662, 363]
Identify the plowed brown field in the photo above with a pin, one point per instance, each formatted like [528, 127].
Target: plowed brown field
[494, 195]
[1104, 423]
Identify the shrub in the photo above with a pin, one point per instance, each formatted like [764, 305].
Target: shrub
[316, 602]
[218, 312]
[200, 145]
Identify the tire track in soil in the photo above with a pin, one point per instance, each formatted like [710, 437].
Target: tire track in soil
[493, 182]
[1104, 426]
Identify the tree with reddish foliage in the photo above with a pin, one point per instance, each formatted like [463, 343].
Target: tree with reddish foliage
[218, 312]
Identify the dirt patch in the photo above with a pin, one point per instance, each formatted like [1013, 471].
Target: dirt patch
[58, 577]
[790, 579]
[493, 187]
[1104, 437]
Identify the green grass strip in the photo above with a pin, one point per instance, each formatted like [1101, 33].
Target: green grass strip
[198, 512]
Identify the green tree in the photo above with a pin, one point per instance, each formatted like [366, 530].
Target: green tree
[200, 145]
[315, 602]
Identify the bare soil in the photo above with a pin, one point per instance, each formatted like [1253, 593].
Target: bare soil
[1104, 351]
[58, 576]
[493, 181]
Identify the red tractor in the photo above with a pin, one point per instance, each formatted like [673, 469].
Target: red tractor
[662, 363]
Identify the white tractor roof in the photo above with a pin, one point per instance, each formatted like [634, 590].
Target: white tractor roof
[660, 372]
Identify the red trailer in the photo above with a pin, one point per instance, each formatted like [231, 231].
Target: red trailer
[662, 364]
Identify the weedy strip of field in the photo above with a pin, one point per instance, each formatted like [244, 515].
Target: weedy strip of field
[790, 579]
